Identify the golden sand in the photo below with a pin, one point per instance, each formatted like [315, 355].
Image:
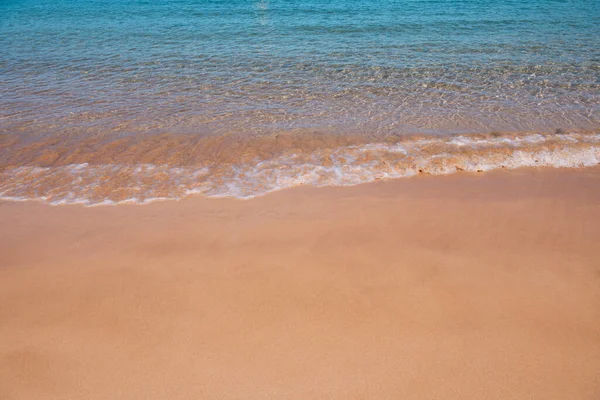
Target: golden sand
[461, 287]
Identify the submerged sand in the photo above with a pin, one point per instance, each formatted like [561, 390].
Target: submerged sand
[463, 287]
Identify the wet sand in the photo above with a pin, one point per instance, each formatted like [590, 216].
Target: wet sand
[472, 286]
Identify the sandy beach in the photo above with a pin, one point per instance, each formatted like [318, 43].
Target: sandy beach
[472, 286]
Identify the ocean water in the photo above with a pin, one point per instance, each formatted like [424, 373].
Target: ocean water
[105, 101]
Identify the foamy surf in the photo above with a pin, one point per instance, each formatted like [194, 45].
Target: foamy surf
[108, 184]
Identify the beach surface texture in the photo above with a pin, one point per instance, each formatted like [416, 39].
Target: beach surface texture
[470, 286]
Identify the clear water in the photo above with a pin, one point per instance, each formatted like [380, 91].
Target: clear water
[88, 73]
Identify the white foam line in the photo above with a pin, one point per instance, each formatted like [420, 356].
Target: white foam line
[339, 168]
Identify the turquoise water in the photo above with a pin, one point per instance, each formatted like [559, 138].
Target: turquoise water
[372, 69]
[371, 66]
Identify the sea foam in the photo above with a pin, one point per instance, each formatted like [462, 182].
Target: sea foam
[109, 184]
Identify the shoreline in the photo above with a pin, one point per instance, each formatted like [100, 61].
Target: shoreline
[301, 187]
[95, 172]
[459, 286]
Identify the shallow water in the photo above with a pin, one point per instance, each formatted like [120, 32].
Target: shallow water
[107, 101]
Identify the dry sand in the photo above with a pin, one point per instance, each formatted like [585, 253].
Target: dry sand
[461, 287]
